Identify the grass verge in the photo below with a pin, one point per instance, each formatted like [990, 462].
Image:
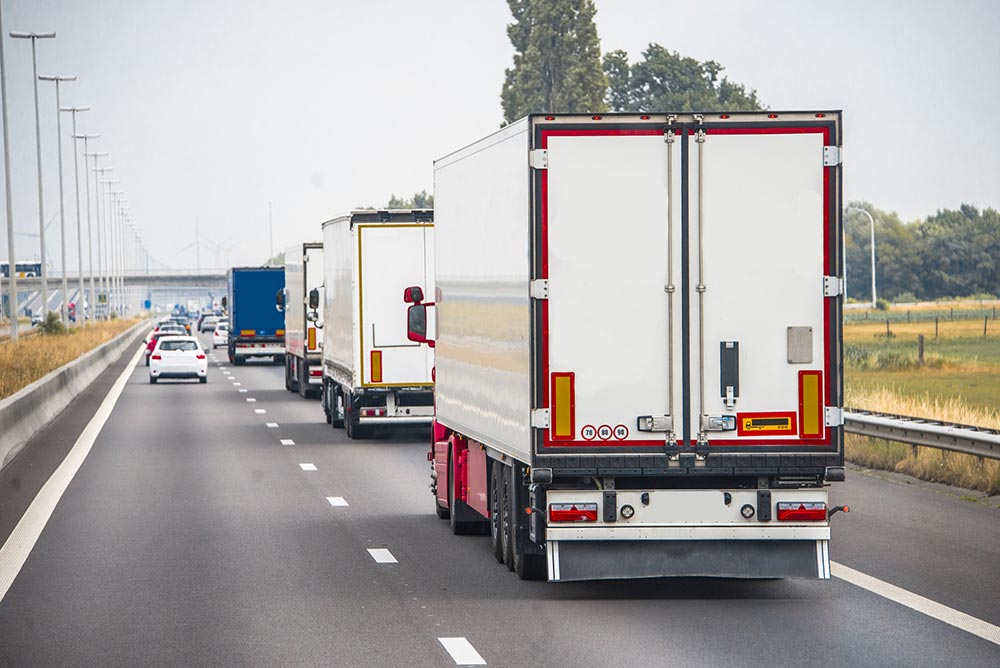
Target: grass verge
[952, 468]
[29, 359]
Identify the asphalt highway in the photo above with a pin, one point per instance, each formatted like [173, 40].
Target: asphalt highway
[200, 531]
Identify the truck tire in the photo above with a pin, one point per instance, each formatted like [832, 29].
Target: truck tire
[239, 361]
[527, 565]
[302, 382]
[324, 399]
[288, 384]
[355, 431]
[496, 527]
[336, 414]
[506, 518]
[152, 380]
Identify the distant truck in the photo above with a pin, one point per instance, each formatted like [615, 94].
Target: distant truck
[638, 343]
[372, 374]
[302, 304]
[256, 327]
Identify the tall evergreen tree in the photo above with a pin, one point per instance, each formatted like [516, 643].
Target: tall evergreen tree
[557, 64]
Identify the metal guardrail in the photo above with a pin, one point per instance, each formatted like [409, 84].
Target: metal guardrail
[962, 438]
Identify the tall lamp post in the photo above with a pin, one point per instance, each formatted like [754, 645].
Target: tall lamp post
[90, 227]
[79, 227]
[872, 221]
[102, 267]
[109, 243]
[34, 37]
[64, 305]
[11, 258]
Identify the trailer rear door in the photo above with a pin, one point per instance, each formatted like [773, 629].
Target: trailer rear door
[691, 293]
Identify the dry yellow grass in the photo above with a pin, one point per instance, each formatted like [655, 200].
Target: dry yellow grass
[30, 358]
[932, 464]
[947, 330]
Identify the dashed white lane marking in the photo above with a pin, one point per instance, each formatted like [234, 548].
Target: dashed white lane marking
[940, 612]
[337, 501]
[382, 556]
[222, 368]
[235, 384]
[308, 467]
[242, 390]
[287, 441]
[272, 425]
[259, 411]
[462, 652]
[251, 400]
[22, 539]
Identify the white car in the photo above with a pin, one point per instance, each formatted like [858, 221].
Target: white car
[178, 357]
[220, 335]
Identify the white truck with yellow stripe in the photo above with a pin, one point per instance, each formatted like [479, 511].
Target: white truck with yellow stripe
[373, 375]
[638, 343]
[302, 303]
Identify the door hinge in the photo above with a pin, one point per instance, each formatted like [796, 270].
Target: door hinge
[539, 288]
[833, 286]
[832, 156]
[539, 158]
[540, 418]
[834, 416]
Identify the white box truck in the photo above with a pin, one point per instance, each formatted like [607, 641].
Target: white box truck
[302, 303]
[638, 343]
[372, 374]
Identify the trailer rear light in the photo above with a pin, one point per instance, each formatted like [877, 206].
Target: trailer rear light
[772, 115]
[200, 356]
[550, 118]
[596, 118]
[315, 373]
[820, 115]
[573, 512]
[645, 117]
[157, 357]
[374, 412]
[279, 332]
[795, 511]
[723, 116]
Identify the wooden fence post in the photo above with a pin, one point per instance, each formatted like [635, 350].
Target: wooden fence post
[920, 349]
[935, 327]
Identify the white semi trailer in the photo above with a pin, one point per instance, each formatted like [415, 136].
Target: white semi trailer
[638, 343]
[372, 374]
[302, 303]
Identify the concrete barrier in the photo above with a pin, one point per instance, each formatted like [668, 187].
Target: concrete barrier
[29, 410]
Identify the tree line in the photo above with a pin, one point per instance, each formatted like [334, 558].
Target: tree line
[953, 253]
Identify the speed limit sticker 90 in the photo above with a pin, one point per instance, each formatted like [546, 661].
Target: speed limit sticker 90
[620, 432]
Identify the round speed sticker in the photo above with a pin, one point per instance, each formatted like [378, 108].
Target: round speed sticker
[621, 432]
[604, 432]
[589, 432]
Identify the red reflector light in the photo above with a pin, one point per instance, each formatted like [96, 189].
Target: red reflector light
[772, 115]
[157, 357]
[723, 116]
[373, 412]
[596, 118]
[200, 356]
[820, 115]
[315, 373]
[573, 512]
[795, 511]
[550, 118]
[645, 117]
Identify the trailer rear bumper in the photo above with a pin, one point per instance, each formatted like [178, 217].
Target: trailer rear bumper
[400, 420]
[574, 560]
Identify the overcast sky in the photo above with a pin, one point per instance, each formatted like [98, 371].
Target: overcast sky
[211, 108]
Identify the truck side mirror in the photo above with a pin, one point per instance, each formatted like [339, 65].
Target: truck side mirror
[413, 295]
[314, 299]
[279, 300]
[416, 324]
[224, 302]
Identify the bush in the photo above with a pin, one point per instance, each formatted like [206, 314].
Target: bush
[52, 324]
[882, 304]
[906, 297]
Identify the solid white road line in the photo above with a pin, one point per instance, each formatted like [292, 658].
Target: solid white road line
[308, 467]
[337, 501]
[287, 441]
[22, 540]
[272, 425]
[942, 613]
[382, 556]
[462, 652]
[259, 411]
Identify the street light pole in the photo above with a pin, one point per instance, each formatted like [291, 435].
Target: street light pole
[34, 37]
[81, 314]
[109, 256]
[64, 305]
[102, 274]
[872, 221]
[90, 227]
[11, 258]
